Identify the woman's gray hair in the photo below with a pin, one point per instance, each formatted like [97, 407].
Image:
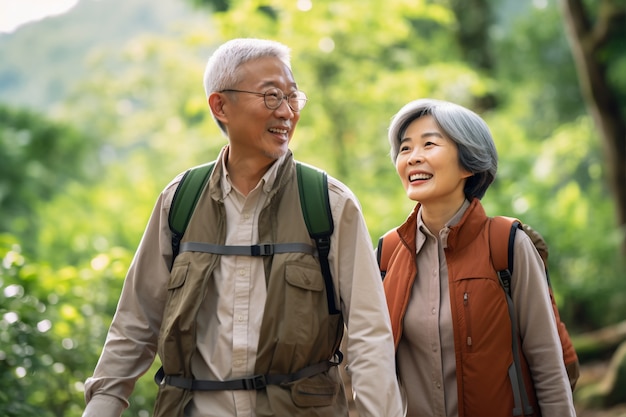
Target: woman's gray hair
[221, 72]
[477, 151]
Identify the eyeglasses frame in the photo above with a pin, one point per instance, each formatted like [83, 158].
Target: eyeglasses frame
[284, 97]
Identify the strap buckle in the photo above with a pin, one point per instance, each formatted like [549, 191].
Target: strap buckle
[256, 382]
[264, 249]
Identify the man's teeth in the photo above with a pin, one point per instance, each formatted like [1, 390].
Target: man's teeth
[281, 131]
[416, 177]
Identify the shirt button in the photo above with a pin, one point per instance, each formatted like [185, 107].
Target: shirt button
[434, 311]
[242, 272]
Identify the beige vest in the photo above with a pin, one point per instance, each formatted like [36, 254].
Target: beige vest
[296, 331]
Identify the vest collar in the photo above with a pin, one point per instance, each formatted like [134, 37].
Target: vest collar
[220, 186]
[461, 233]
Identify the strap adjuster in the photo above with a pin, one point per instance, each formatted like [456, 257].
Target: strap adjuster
[264, 249]
[179, 382]
[255, 383]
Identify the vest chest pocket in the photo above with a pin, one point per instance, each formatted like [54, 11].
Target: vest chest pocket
[482, 315]
[171, 338]
[178, 275]
[304, 277]
[304, 303]
[175, 290]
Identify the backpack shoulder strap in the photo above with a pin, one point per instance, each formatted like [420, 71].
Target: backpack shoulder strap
[502, 232]
[315, 204]
[387, 244]
[185, 199]
[497, 234]
[313, 189]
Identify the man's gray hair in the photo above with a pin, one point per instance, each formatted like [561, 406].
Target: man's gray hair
[221, 70]
[477, 151]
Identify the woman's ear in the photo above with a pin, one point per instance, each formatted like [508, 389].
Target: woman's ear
[216, 104]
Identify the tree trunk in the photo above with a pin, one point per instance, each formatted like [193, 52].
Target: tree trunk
[599, 344]
[588, 41]
[609, 390]
[475, 18]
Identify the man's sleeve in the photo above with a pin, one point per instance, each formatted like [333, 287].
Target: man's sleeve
[131, 342]
[370, 348]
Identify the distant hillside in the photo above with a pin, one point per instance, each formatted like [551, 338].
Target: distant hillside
[41, 61]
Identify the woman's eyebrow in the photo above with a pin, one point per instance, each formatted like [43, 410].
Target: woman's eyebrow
[429, 134]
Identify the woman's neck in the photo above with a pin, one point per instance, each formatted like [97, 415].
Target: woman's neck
[435, 216]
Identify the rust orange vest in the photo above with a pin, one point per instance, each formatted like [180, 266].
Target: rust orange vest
[483, 384]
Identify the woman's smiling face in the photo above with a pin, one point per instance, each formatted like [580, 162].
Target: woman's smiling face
[428, 164]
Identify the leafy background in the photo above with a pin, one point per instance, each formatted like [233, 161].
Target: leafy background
[101, 107]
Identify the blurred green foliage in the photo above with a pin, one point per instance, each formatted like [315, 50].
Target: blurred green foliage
[51, 318]
[39, 157]
[89, 195]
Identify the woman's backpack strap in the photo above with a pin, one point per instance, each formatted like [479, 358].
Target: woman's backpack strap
[386, 246]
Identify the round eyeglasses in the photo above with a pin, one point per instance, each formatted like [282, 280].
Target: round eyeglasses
[274, 97]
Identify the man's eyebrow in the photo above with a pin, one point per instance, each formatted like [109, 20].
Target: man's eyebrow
[270, 83]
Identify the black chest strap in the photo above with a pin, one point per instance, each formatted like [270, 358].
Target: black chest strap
[255, 382]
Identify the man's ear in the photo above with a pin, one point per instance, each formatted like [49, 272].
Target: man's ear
[216, 104]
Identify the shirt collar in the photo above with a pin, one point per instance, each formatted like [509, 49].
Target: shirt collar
[267, 180]
[443, 233]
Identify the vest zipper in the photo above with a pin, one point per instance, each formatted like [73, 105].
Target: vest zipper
[468, 320]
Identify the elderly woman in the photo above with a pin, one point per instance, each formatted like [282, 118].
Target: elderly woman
[449, 314]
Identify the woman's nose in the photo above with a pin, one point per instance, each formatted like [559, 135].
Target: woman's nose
[415, 158]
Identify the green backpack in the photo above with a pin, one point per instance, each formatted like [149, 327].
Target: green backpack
[313, 189]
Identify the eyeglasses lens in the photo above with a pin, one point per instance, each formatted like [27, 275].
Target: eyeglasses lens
[274, 98]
